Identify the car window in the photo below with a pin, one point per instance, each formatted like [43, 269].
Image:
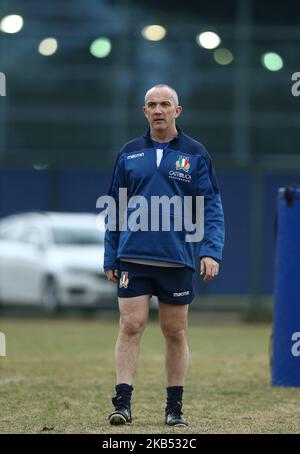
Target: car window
[11, 230]
[77, 236]
[31, 234]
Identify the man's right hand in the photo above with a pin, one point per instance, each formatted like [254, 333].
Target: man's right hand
[112, 275]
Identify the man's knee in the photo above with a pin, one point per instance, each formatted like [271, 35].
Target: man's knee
[131, 326]
[176, 334]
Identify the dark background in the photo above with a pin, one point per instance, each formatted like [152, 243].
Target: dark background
[65, 116]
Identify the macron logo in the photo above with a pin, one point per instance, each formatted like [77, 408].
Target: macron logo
[181, 293]
[137, 155]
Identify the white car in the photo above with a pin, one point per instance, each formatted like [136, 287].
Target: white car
[53, 259]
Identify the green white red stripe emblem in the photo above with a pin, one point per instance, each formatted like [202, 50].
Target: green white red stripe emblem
[124, 279]
[183, 163]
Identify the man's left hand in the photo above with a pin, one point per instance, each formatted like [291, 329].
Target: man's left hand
[209, 268]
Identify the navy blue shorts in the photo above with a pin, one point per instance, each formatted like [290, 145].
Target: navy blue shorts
[170, 284]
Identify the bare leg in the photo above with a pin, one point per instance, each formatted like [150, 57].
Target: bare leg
[173, 322]
[133, 319]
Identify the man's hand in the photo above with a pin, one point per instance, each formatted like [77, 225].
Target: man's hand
[209, 268]
[112, 275]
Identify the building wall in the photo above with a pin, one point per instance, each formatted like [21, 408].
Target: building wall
[249, 250]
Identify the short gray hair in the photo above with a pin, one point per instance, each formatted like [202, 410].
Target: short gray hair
[175, 96]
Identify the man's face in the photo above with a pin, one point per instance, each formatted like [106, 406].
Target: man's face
[160, 109]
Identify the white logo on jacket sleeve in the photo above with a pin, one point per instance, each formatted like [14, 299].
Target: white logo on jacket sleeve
[136, 155]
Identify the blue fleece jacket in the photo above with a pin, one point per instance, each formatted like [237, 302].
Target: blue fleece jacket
[185, 170]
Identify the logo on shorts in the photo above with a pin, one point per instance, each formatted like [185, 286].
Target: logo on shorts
[124, 281]
[187, 292]
[183, 163]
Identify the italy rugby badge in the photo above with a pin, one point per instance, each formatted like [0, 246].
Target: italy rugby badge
[124, 281]
[183, 163]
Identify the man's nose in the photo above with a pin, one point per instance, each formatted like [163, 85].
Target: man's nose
[157, 109]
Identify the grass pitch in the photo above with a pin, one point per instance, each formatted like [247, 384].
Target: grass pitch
[58, 377]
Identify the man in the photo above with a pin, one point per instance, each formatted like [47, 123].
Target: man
[144, 263]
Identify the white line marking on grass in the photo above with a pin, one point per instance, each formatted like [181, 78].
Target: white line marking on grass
[9, 381]
[2, 345]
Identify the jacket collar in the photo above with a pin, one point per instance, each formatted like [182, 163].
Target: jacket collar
[147, 135]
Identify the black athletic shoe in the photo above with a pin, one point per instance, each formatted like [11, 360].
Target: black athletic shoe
[174, 416]
[122, 413]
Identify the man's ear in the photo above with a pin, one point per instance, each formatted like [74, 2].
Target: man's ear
[178, 111]
[145, 111]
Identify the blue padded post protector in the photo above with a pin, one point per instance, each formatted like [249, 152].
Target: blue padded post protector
[286, 317]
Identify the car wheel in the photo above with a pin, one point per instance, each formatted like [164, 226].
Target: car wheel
[50, 298]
